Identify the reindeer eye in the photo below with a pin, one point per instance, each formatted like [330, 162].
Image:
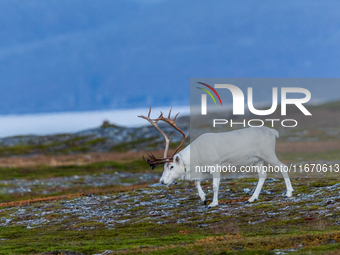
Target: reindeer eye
[171, 167]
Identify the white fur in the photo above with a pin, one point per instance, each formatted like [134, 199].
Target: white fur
[248, 146]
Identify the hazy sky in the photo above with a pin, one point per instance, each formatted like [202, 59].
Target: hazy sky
[83, 55]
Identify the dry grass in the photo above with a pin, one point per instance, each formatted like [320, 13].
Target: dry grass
[88, 158]
[319, 224]
[316, 223]
[300, 147]
[78, 159]
[230, 201]
[225, 228]
[89, 192]
[228, 243]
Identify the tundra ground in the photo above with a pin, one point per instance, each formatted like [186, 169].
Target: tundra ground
[55, 200]
[118, 207]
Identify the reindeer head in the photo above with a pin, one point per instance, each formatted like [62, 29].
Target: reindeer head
[172, 171]
[173, 165]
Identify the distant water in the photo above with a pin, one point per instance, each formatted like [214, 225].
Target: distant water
[69, 122]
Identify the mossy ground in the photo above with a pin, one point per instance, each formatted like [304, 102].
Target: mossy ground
[160, 220]
[47, 173]
[304, 224]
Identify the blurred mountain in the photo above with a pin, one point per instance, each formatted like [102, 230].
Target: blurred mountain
[61, 55]
[323, 125]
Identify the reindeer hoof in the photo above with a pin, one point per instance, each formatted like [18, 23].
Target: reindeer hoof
[209, 207]
[205, 202]
[212, 205]
[287, 196]
[250, 201]
[247, 202]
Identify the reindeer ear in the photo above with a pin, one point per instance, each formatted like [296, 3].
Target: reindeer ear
[177, 159]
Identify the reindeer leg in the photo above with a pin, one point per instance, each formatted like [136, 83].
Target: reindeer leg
[262, 178]
[285, 175]
[216, 184]
[201, 193]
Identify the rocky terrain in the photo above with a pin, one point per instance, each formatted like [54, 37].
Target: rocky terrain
[50, 185]
[107, 138]
[157, 211]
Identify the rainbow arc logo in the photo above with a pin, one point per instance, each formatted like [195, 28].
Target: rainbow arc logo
[209, 93]
[204, 97]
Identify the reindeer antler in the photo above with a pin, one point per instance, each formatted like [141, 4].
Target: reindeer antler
[152, 160]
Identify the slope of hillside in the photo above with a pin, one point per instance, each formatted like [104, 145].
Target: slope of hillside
[322, 127]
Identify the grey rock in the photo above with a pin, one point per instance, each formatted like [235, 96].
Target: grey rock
[246, 190]
[156, 185]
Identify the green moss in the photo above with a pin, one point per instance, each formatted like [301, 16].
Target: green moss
[24, 149]
[70, 170]
[75, 144]
[126, 146]
[95, 141]
[322, 183]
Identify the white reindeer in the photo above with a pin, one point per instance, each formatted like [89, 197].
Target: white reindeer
[245, 147]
